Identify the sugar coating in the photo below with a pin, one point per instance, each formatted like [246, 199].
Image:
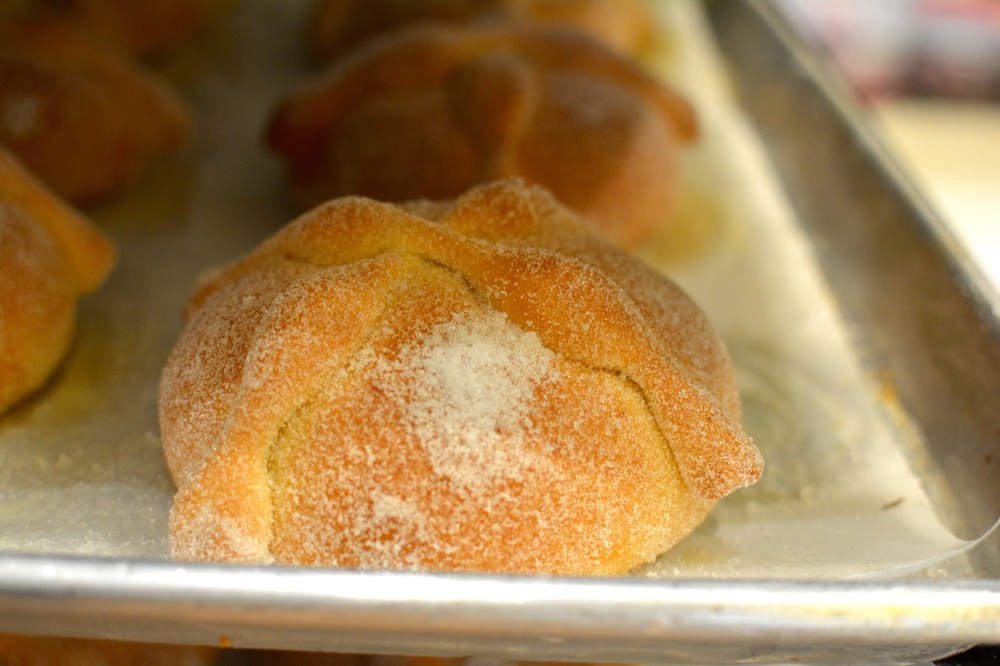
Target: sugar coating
[37, 304]
[468, 401]
[49, 256]
[355, 485]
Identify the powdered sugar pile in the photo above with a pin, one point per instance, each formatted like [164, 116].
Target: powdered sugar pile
[467, 395]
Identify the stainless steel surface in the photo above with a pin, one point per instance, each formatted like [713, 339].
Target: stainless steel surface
[921, 316]
[600, 620]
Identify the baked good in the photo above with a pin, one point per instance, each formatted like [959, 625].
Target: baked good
[289, 658]
[145, 27]
[300, 658]
[17, 650]
[49, 256]
[432, 111]
[337, 26]
[476, 385]
[82, 117]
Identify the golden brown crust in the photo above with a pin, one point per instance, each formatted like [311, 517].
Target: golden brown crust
[337, 26]
[490, 389]
[49, 256]
[84, 119]
[430, 112]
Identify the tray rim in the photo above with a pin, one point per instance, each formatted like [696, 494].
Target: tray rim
[491, 611]
[966, 272]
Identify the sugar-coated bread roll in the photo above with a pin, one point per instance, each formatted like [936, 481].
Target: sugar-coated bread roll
[430, 112]
[337, 26]
[16, 650]
[49, 257]
[476, 385]
[82, 117]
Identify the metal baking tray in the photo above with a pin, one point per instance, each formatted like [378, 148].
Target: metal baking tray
[922, 320]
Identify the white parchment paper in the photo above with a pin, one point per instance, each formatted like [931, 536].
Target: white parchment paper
[838, 497]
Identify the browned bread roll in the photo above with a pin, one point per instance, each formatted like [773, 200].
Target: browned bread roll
[53, 651]
[476, 385]
[84, 119]
[49, 256]
[337, 26]
[432, 112]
